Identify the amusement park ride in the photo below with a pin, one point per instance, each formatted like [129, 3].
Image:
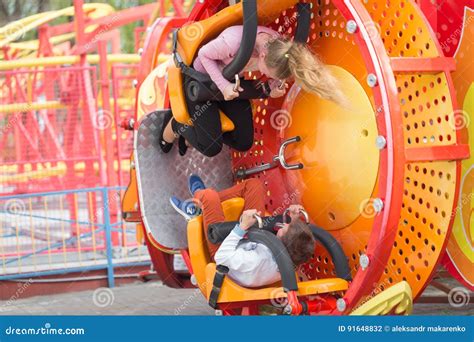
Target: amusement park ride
[389, 180]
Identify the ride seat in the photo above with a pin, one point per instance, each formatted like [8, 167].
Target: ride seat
[191, 37]
[232, 292]
[204, 269]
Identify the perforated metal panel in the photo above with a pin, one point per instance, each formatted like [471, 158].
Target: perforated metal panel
[161, 175]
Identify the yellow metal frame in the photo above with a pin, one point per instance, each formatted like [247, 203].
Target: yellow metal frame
[397, 299]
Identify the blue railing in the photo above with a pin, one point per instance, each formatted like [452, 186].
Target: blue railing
[52, 233]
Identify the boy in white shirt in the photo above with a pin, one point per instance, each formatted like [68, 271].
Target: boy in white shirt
[252, 264]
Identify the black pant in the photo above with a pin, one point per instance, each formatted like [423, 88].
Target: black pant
[206, 133]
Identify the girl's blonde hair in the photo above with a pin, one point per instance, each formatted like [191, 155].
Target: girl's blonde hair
[289, 58]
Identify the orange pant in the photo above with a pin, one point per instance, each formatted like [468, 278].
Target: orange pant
[251, 190]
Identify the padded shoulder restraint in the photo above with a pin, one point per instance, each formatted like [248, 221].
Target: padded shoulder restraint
[217, 232]
[330, 243]
[279, 252]
[304, 22]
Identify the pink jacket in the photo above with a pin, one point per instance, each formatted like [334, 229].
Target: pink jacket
[218, 53]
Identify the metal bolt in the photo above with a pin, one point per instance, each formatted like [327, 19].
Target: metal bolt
[136, 206]
[341, 305]
[372, 80]
[364, 261]
[378, 205]
[193, 280]
[287, 310]
[140, 51]
[135, 83]
[132, 166]
[131, 123]
[218, 312]
[380, 142]
[351, 26]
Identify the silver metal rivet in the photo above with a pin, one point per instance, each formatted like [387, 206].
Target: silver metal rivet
[132, 165]
[380, 142]
[341, 305]
[136, 206]
[287, 310]
[135, 83]
[378, 205]
[193, 280]
[364, 261]
[140, 51]
[218, 312]
[372, 80]
[131, 123]
[351, 26]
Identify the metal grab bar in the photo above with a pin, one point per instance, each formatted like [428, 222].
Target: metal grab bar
[277, 161]
[302, 212]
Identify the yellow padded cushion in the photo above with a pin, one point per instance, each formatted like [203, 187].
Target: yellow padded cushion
[226, 124]
[176, 94]
[232, 208]
[232, 292]
[197, 244]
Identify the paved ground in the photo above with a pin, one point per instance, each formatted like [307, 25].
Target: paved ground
[153, 299]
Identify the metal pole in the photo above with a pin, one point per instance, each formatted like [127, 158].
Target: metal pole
[108, 238]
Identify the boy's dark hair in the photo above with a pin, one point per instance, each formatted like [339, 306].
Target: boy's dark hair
[299, 241]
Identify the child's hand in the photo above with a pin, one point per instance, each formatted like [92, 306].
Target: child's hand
[248, 220]
[230, 93]
[294, 211]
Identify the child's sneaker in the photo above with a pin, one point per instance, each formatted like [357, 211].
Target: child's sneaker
[195, 183]
[188, 209]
